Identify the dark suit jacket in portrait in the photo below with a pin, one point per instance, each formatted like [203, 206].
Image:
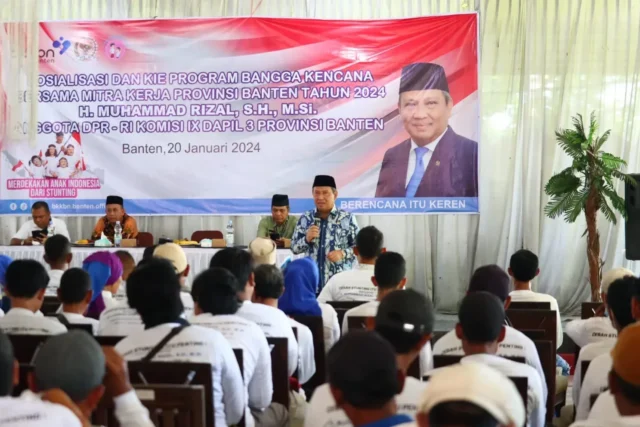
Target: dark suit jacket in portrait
[452, 170]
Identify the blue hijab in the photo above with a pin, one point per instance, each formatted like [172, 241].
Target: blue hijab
[301, 280]
[4, 264]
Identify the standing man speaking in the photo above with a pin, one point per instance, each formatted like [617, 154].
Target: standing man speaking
[326, 234]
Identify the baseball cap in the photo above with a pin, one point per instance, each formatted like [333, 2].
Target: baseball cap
[611, 276]
[72, 362]
[626, 355]
[479, 384]
[407, 311]
[263, 251]
[174, 253]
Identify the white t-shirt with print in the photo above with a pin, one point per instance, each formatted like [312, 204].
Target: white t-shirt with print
[20, 321]
[306, 352]
[588, 331]
[588, 353]
[331, 326]
[530, 296]
[29, 411]
[120, 321]
[322, 410]
[54, 282]
[199, 345]
[595, 382]
[79, 319]
[350, 285]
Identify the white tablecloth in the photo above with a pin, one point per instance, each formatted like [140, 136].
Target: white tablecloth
[198, 258]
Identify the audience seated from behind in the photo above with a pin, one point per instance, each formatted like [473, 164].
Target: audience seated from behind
[5, 261]
[492, 279]
[619, 298]
[45, 411]
[355, 285]
[272, 321]
[57, 253]
[470, 395]
[75, 295]
[128, 264]
[153, 290]
[175, 254]
[597, 328]
[269, 287]
[26, 285]
[405, 319]
[481, 328]
[624, 383]
[216, 304]
[523, 268]
[75, 364]
[301, 279]
[148, 253]
[105, 270]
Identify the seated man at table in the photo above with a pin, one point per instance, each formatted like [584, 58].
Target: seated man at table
[57, 253]
[75, 295]
[115, 213]
[40, 218]
[26, 284]
[280, 222]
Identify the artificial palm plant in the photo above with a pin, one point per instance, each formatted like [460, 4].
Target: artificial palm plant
[587, 185]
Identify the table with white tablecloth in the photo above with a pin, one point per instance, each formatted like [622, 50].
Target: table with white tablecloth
[198, 258]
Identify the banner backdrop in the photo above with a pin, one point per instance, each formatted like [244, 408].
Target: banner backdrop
[213, 116]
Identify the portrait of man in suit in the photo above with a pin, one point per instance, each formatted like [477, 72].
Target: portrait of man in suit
[434, 161]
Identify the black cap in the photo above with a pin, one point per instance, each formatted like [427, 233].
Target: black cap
[406, 311]
[492, 279]
[363, 366]
[115, 200]
[280, 200]
[481, 316]
[324, 181]
[59, 134]
[423, 76]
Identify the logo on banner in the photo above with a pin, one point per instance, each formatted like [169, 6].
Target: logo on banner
[85, 49]
[60, 46]
[114, 49]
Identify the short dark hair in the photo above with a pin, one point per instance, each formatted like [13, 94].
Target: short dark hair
[481, 317]
[125, 256]
[492, 279]
[362, 365]
[239, 262]
[40, 205]
[6, 365]
[369, 242]
[628, 390]
[460, 413]
[148, 252]
[25, 277]
[269, 281]
[74, 285]
[153, 290]
[619, 297]
[524, 265]
[389, 270]
[215, 290]
[56, 248]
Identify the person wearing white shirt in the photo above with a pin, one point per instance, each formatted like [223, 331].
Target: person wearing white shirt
[356, 284]
[595, 382]
[492, 279]
[405, 319]
[272, 321]
[597, 328]
[26, 283]
[480, 329]
[75, 294]
[40, 218]
[174, 253]
[57, 254]
[604, 408]
[216, 304]
[523, 268]
[623, 380]
[153, 289]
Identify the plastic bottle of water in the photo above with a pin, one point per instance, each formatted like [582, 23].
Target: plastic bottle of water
[117, 235]
[51, 229]
[230, 235]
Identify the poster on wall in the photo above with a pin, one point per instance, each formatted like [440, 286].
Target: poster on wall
[214, 116]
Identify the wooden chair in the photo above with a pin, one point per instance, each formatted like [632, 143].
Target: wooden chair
[535, 319]
[144, 239]
[341, 307]
[50, 306]
[169, 405]
[81, 326]
[26, 346]
[534, 334]
[440, 361]
[589, 309]
[177, 373]
[107, 340]
[206, 234]
[530, 305]
[279, 369]
[314, 323]
[547, 352]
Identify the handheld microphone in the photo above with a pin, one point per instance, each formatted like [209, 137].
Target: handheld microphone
[316, 222]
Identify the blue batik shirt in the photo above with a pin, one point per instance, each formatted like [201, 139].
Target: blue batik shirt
[337, 232]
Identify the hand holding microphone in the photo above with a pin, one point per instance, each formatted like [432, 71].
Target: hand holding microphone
[313, 232]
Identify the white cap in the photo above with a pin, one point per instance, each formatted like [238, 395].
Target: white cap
[263, 251]
[611, 276]
[479, 384]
